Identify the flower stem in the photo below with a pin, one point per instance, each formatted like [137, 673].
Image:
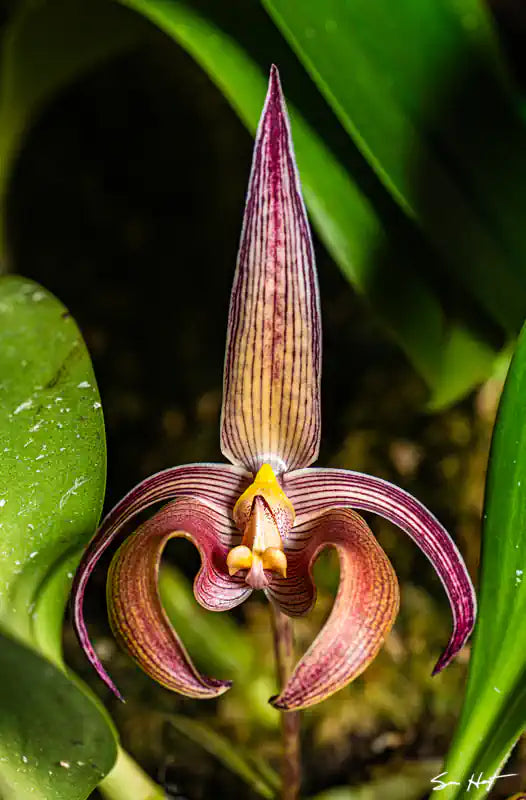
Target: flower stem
[290, 720]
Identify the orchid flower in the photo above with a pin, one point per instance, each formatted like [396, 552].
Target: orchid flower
[260, 522]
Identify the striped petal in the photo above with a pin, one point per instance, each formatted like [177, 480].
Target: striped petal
[217, 484]
[364, 610]
[311, 491]
[137, 617]
[271, 396]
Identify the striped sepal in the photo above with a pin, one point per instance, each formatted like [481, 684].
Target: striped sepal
[271, 400]
[218, 485]
[364, 610]
[137, 617]
[313, 490]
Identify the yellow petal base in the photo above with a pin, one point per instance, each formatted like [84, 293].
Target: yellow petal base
[243, 558]
[266, 485]
[264, 514]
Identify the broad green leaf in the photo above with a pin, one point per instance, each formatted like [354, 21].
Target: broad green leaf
[461, 348]
[494, 712]
[414, 84]
[51, 491]
[53, 457]
[54, 743]
[46, 45]
[231, 756]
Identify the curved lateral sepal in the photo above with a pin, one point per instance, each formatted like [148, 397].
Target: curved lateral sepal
[136, 615]
[214, 484]
[364, 611]
[313, 490]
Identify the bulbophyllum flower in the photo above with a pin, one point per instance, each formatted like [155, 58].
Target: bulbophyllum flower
[260, 522]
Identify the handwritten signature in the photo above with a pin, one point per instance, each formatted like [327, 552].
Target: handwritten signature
[475, 782]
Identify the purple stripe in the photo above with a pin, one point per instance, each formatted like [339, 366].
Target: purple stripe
[271, 409]
[364, 609]
[137, 617]
[313, 490]
[217, 485]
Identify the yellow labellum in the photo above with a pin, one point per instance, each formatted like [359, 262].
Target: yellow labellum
[266, 485]
[264, 514]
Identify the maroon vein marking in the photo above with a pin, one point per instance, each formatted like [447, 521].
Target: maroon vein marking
[312, 490]
[275, 241]
[200, 481]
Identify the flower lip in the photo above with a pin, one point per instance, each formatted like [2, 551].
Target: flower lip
[137, 617]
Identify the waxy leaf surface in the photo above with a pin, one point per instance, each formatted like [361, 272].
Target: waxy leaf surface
[414, 84]
[494, 712]
[51, 491]
[54, 743]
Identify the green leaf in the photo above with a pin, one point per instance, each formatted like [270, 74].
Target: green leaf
[414, 84]
[494, 712]
[53, 458]
[46, 45]
[465, 360]
[51, 491]
[54, 744]
[382, 262]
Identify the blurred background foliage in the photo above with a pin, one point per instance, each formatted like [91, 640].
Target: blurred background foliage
[125, 199]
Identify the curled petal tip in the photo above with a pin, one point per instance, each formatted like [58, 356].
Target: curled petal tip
[271, 396]
[443, 662]
[277, 702]
[103, 675]
[78, 591]
[456, 643]
[110, 684]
